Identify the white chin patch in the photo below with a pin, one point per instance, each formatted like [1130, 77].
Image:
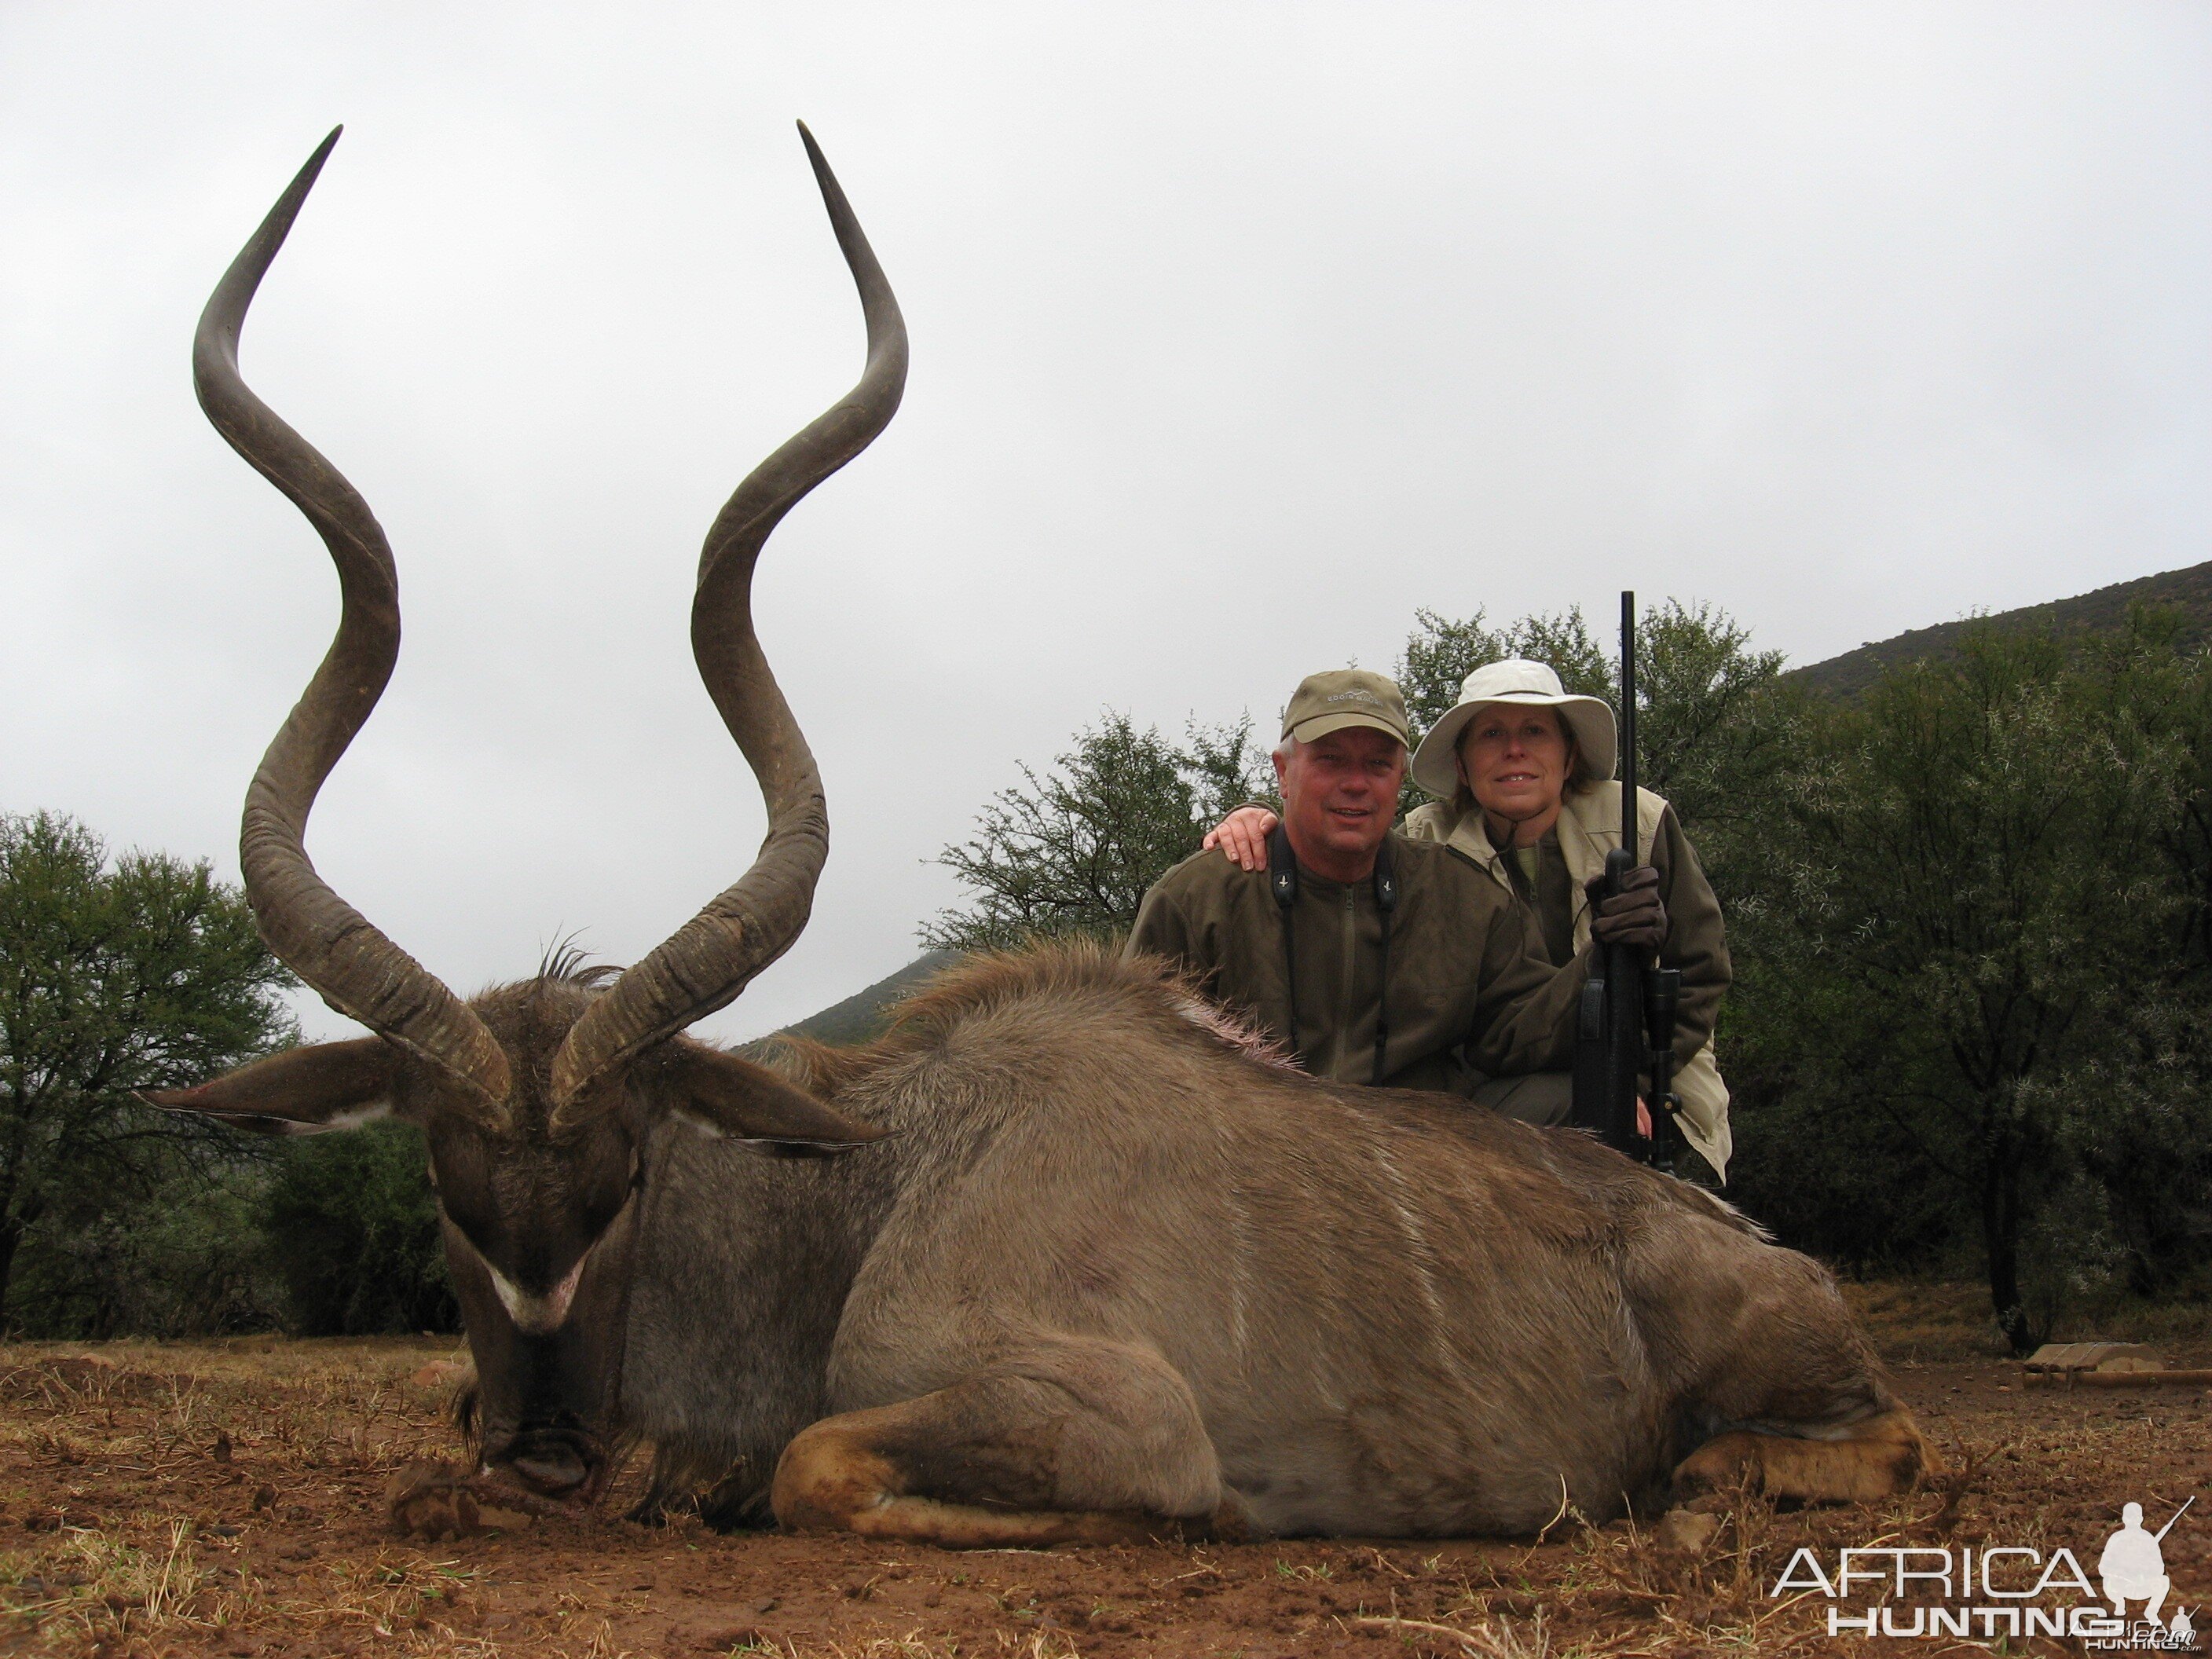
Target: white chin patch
[541, 1316]
[538, 1315]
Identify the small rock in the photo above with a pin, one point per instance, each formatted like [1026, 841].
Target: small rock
[428, 1499]
[224, 1531]
[437, 1374]
[1685, 1531]
[222, 1453]
[264, 1497]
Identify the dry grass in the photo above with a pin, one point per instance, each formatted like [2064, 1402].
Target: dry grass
[225, 1499]
[131, 1474]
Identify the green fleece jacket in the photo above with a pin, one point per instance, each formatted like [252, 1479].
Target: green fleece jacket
[1468, 982]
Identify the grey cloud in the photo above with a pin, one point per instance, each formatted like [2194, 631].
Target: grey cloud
[1239, 333]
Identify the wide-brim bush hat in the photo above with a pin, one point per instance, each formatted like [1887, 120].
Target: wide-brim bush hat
[1523, 683]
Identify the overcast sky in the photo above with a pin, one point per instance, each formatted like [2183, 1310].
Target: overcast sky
[1239, 333]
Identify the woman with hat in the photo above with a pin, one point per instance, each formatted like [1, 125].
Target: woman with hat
[1523, 773]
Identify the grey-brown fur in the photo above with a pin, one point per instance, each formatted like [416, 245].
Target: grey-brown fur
[1112, 1258]
[1394, 1314]
[1118, 1266]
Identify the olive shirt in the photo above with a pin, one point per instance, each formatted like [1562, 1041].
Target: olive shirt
[1697, 943]
[1465, 966]
[1588, 826]
[1539, 878]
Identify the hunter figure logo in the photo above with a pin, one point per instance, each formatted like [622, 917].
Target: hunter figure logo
[2133, 1567]
[2004, 1589]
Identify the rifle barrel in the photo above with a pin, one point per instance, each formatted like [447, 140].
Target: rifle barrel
[1628, 724]
[2159, 1535]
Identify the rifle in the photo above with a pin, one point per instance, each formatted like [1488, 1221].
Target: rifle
[1626, 1022]
[2158, 1537]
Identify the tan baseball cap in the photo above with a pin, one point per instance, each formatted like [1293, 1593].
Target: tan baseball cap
[1345, 698]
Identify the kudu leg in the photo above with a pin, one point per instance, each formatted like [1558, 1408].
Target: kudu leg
[1073, 1441]
[1872, 1459]
[1791, 1397]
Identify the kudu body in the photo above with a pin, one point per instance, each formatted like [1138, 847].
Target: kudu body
[1116, 1269]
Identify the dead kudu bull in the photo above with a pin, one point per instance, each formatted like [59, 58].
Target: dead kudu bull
[1097, 1266]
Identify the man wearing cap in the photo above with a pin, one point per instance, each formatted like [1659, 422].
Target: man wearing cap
[1523, 772]
[1375, 958]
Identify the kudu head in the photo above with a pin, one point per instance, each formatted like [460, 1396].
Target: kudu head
[536, 1098]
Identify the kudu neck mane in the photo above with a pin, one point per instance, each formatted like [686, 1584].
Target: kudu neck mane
[1077, 976]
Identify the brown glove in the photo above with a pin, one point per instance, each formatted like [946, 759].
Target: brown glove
[1634, 916]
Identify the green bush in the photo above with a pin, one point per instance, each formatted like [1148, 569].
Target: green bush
[189, 1262]
[135, 972]
[354, 1231]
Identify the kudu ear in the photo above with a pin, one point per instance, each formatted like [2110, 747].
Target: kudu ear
[733, 1099]
[302, 1091]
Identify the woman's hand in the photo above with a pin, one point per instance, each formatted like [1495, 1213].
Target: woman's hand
[1635, 916]
[1242, 836]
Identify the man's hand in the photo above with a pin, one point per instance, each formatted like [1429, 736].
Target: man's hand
[1634, 916]
[1242, 836]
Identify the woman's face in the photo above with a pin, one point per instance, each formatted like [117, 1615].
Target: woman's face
[1514, 758]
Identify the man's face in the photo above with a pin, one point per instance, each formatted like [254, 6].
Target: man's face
[1340, 791]
[1515, 760]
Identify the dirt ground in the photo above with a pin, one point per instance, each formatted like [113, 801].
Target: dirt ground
[204, 1499]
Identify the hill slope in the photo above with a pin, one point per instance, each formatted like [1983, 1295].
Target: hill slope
[860, 1017]
[2189, 590]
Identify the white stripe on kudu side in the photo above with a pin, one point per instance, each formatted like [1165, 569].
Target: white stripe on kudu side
[353, 1119]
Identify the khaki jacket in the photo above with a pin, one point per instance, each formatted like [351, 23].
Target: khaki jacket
[1468, 981]
[1588, 828]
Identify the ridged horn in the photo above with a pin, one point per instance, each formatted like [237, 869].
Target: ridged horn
[328, 943]
[711, 958]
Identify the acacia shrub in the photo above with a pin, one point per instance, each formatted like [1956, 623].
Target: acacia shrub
[1966, 950]
[138, 971]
